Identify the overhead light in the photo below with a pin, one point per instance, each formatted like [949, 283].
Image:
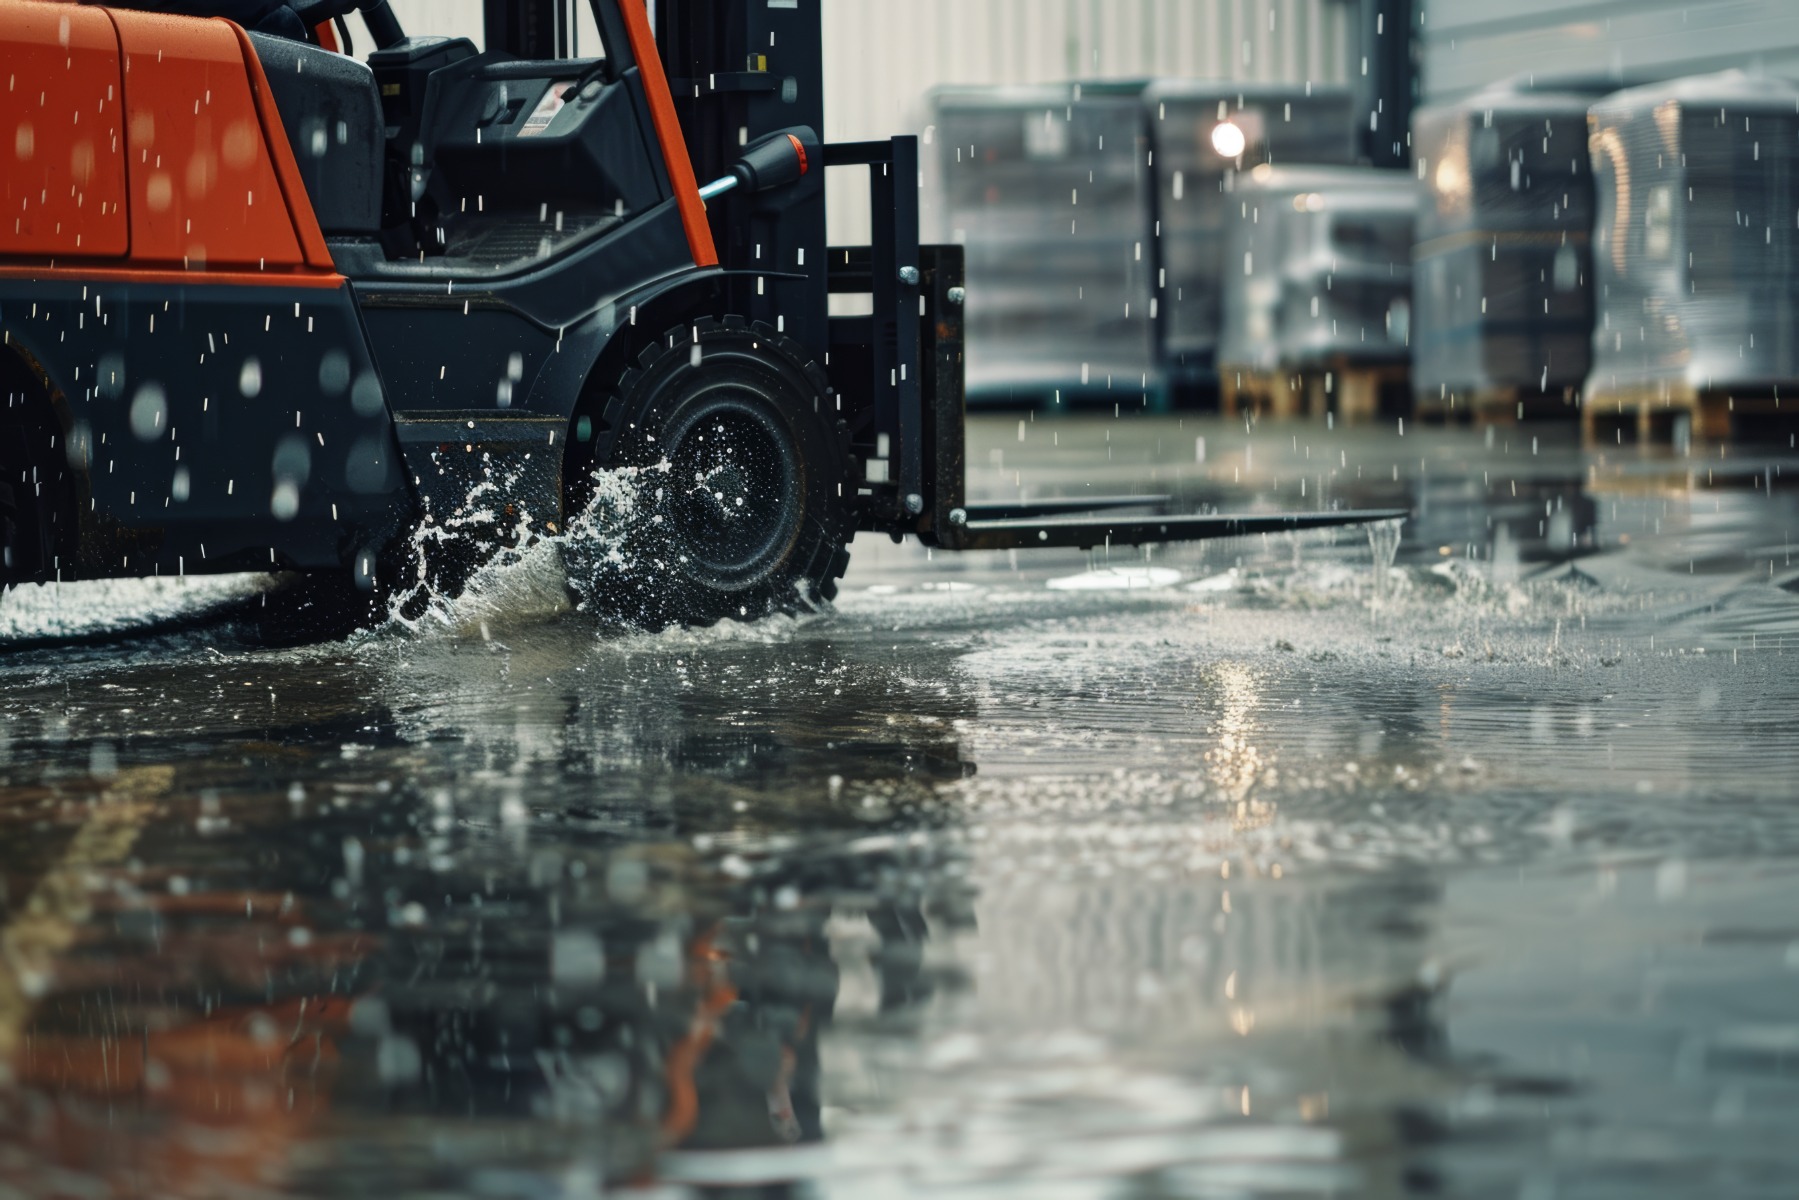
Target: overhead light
[1228, 140]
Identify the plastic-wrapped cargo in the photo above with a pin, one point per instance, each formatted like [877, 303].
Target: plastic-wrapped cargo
[1048, 189]
[1504, 275]
[1320, 281]
[1696, 248]
[1204, 134]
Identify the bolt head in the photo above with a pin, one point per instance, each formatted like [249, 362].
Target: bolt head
[958, 295]
[914, 504]
[958, 516]
[909, 276]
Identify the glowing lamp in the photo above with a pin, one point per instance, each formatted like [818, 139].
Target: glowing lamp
[1228, 140]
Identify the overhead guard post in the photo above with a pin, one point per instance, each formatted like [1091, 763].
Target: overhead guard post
[668, 132]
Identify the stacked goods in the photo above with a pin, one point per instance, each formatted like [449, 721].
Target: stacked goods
[1204, 135]
[1696, 255]
[1048, 189]
[1317, 300]
[1504, 263]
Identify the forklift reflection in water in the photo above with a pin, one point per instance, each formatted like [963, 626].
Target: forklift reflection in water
[639, 1080]
[269, 307]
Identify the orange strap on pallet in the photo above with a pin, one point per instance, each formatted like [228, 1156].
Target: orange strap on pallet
[668, 132]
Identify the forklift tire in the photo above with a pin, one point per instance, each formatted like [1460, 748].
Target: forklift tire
[35, 491]
[735, 470]
[11, 550]
[26, 536]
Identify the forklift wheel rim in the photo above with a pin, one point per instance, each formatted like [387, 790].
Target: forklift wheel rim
[736, 486]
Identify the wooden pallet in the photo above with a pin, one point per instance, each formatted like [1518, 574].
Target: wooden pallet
[1511, 405]
[1675, 412]
[1351, 392]
[1246, 392]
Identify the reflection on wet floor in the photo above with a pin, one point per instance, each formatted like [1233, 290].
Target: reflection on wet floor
[1235, 871]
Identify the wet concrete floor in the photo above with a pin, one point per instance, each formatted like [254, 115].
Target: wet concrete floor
[1243, 870]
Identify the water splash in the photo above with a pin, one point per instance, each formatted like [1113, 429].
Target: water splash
[1383, 541]
[535, 565]
[601, 544]
[608, 562]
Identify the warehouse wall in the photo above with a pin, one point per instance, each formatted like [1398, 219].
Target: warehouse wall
[881, 57]
[1471, 43]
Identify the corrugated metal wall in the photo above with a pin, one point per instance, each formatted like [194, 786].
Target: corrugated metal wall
[882, 57]
[1471, 43]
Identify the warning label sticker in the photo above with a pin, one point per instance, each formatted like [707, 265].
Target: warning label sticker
[546, 110]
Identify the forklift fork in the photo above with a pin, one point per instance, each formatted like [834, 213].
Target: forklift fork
[913, 448]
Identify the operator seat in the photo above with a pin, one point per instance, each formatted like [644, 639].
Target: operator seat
[331, 109]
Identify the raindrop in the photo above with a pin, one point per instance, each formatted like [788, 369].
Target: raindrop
[249, 380]
[354, 856]
[293, 460]
[102, 760]
[149, 412]
[365, 468]
[110, 376]
[81, 445]
[397, 1060]
[365, 396]
[577, 959]
[369, 1016]
[334, 373]
[627, 881]
[284, 505]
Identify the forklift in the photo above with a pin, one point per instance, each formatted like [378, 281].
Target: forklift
[267, 307]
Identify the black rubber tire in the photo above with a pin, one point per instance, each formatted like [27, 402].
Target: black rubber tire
[36, 490]
[12, 549]
[738, 472]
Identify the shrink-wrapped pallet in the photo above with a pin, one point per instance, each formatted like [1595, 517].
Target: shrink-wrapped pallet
[1205, 134]
[1696, 245]
[1048, 190]
[1320, 276]
[1504, 313]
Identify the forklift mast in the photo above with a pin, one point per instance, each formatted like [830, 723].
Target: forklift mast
[737, 73]
[532, 29]
[740, 72]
